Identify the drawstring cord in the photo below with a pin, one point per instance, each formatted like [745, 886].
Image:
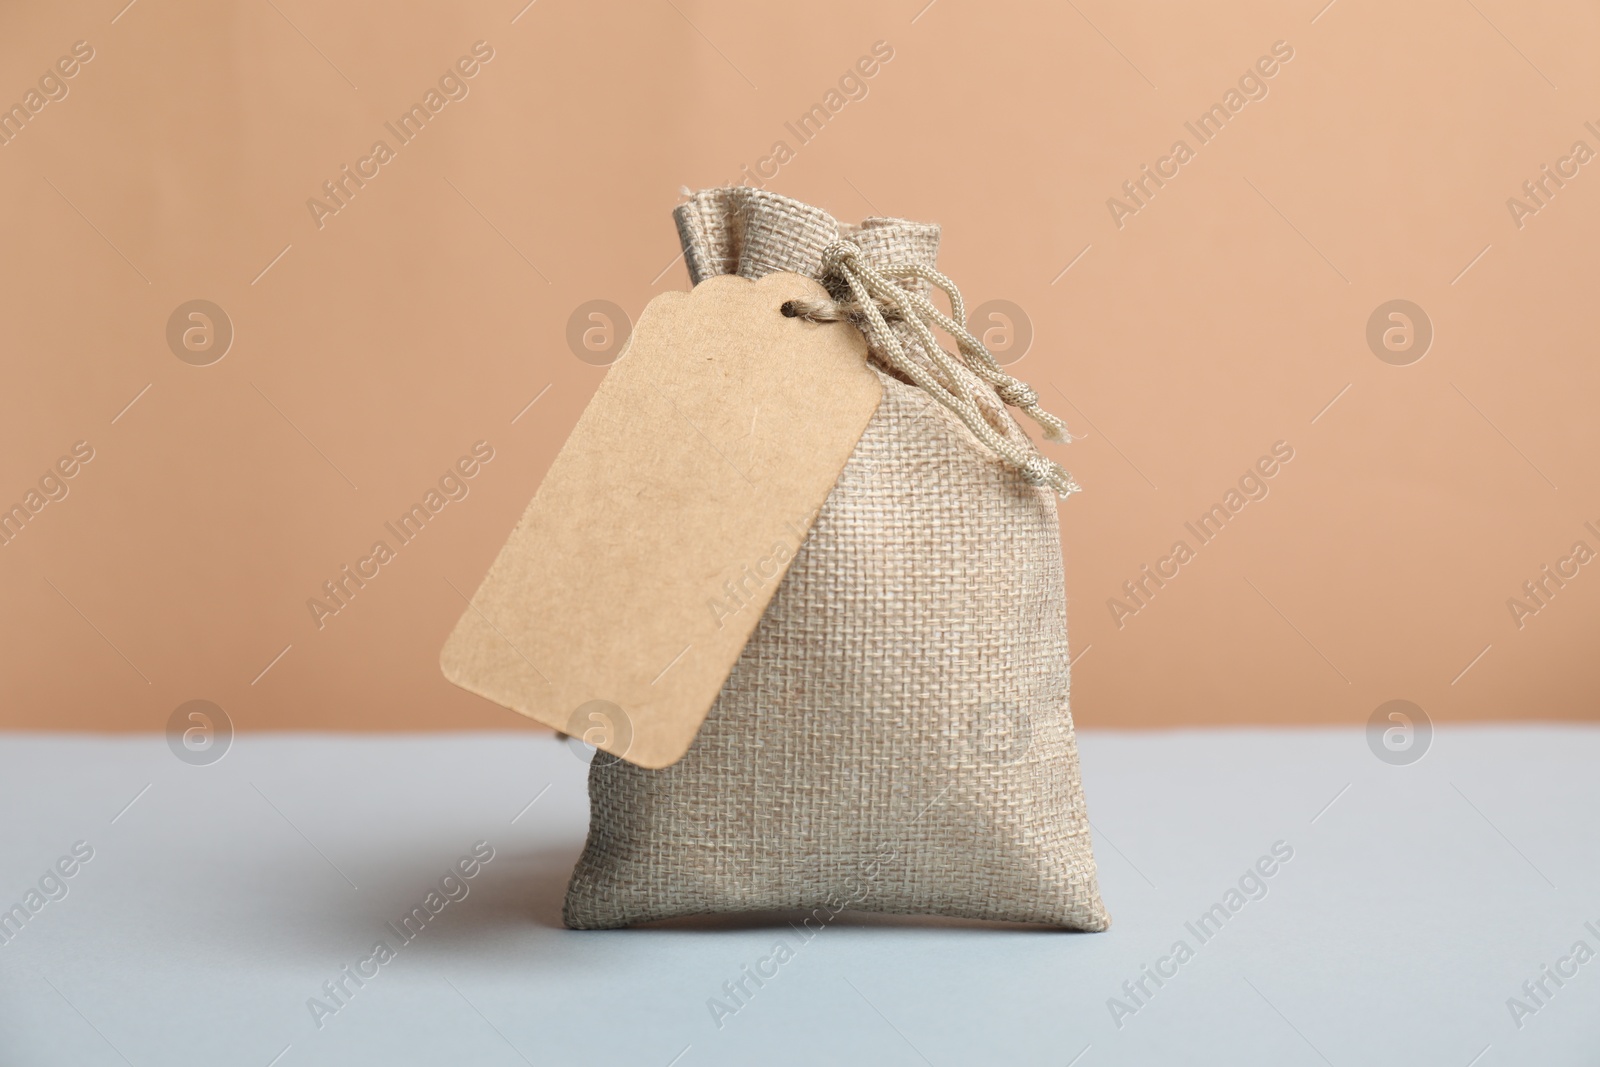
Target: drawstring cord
[877, 301]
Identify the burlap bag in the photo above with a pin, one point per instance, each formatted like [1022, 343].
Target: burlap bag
[896, 735]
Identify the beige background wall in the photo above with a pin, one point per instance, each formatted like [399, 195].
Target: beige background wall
[1224, 315]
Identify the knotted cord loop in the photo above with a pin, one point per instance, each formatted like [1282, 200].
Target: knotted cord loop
[876, 301]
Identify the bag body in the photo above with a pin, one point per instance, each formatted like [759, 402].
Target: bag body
[896, 735]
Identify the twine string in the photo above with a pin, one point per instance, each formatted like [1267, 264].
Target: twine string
[876, 301]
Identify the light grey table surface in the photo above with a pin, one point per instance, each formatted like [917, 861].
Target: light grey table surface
[1418, 902]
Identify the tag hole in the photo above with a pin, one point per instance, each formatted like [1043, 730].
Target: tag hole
[788, 310]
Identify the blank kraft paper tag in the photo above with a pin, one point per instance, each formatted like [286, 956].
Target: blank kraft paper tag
[663, 528]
